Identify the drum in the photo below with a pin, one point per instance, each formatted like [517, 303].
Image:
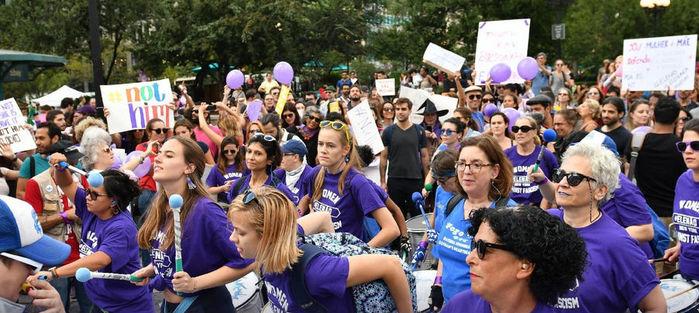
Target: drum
[423, 286]
[416, 230]
[684, 303]
[246, 294]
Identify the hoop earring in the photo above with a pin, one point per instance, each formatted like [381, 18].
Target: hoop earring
[492, 184]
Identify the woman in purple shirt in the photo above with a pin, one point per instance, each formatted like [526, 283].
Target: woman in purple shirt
[230, 166]
[209, 260]
[522, 260]
[266, 230]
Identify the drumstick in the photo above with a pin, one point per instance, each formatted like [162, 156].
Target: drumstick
[83, 274]
[657, 260]
[682, 292]
[65, 165]
[175, 204]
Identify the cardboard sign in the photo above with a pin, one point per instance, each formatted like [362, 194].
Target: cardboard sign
[443, 59]
[659, 63]
[417, 97]
[132, 105]
[386, 87]
[364, 127]
[501, 42]
[12, 129]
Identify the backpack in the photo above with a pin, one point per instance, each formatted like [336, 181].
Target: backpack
[454, 200]
[368, 297]
[661, 236]
[636, 143]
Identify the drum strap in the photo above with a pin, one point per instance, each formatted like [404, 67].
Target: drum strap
[185, 304]
[455, 199]
[298, 279]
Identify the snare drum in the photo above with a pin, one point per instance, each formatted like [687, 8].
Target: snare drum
[246, 294]
[684, 303]
[423, 287]
[416, 230]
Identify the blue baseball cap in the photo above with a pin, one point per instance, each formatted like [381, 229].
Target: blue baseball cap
[295, 147]
[21, 235]
[600, 138]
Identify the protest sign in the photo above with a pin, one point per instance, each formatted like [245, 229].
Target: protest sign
[417, 97]
[12, 129]
[444, 103]
[386, 87]
[443, 59]
[132, 105]
[501, 42]
[364, 127]
[283, 97]
[659, 63]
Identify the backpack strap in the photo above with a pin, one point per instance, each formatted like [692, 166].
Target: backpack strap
[453, 201]
[502, 202]
[238, 184]
[298, 279]
[636, 144]
[32, 166]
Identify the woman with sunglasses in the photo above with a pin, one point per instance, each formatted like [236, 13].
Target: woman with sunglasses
[563, 100]
[157, 133]
[466, 117]
[686, 204]
[522, 260]
[524, 156]
[262, 156]
[617, 277]
[682, 118]
[452, 133]
[309, 133]
[485, 176]
[209, 261]
[266, 230]
[230, 167]
[387, 114]
[337, 186]
[108, 239]
[291, 121]
[500, 129]
[590, 113]
[593, 93]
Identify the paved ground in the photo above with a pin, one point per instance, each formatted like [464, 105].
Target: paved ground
[157, 299]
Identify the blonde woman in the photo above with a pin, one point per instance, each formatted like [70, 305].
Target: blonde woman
[589, 112]
[639, 115]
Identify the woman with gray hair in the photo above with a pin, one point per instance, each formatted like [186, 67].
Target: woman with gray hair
[309, 133]
[95, 145]
[617, 277]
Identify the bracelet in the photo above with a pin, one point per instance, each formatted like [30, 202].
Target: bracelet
[544, 181]
[438, 280]
[54, 274]
[423, 244]
[65, 218]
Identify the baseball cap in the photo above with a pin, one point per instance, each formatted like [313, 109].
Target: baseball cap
[295, 147]
[21, 235]
[599, 138]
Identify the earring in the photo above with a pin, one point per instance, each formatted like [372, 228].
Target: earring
[190, 184]
[347, 158]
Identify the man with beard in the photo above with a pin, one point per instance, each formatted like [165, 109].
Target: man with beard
[45, 136]
[355, 97]
[612, 113]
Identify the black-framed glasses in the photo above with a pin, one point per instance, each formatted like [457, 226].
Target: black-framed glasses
[94, 194]
[682, 146]
[448, 132]
[473, 167]
[685, 119]
[265, 137]
[573, 178]
[524, 129]
[488, 100]
[161, 130]
[229, 151]
[474, 97]
[482, 246]
[249, 196]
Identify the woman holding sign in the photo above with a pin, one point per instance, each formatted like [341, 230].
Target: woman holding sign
[208, 259]
[157, 132]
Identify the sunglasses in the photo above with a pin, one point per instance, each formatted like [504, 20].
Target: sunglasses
[290, 115]
[229, 152]
[682, 146]
[313, 118]
[563, 94]
[524, 129]
[488, 100]
[265, 137]
[388, 109]
[573, 178]
[448, 132]
[94, 194]
[481, 247]
[337, 125]
[106, 149]
[474, 97]
[685, 119]
[160, 130]
[249, 196]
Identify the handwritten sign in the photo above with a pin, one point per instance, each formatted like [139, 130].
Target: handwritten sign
[12, 131]
[443, 59]
[501, 42]
[132, 105]
[386, 87]
[659, 63]
[364, 127]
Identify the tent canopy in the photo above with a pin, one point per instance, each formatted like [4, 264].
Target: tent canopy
[19, 66]
[54, 99]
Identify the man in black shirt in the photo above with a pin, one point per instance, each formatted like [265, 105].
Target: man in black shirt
[612, 113]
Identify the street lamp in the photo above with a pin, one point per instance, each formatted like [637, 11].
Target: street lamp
[655, 8]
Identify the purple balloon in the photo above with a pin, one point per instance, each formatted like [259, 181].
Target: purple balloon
[235, 79]
[490, 109]
[641, 130]
[500, 72]
[512, 116]
[528, 68]
[143, 168]
[283, 72]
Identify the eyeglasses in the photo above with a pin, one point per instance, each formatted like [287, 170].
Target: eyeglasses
[249, 196]
[388, 109]
[525, 128]
[265, 137]
[563, 94]
[254, 131]
[559, 64]
[685, 119]
[448, 132]
[290, 115]
[337, 125]
[313, 118]
[592, 93]
[160, 130]
[481, 247]
[474, 97]
[488, 100]
[106, 149]
[472, 167]
[229, 152]
[94, 194]
[682, 146]
[573, 178]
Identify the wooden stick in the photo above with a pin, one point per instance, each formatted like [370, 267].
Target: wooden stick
[682, 292]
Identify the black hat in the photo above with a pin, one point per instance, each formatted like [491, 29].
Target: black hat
[72, 152]
[540, 99]
[431, 108]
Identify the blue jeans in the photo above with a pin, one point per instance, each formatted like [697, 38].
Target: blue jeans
[63, 286]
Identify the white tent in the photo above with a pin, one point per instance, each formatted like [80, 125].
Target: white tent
[54, 99]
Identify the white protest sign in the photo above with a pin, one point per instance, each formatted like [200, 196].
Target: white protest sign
[386, 87]
[417, 97]
[444, 103]
[131, 106]
[501, 42]
[659, 63]
[364, 127]
[443, 59]
[12, 129]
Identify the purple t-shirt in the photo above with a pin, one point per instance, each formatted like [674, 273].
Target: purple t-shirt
[524, 191]
[469, 302]
[629, 208]
[348, 209]
[115, 237]
[216, 179]
[205, 245]
[686, 217]
[617, 276]
[272, 180]
[326, 280]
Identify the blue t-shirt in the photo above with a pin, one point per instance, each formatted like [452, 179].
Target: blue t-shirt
[205, 245]
[686, 217]
[540, 80]
[217, 178]
[469, 302]
[41, 164]
[524, 191]
[453, 245]
[617, 276]
[115, 237]
[272, 181]
[628, 208]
